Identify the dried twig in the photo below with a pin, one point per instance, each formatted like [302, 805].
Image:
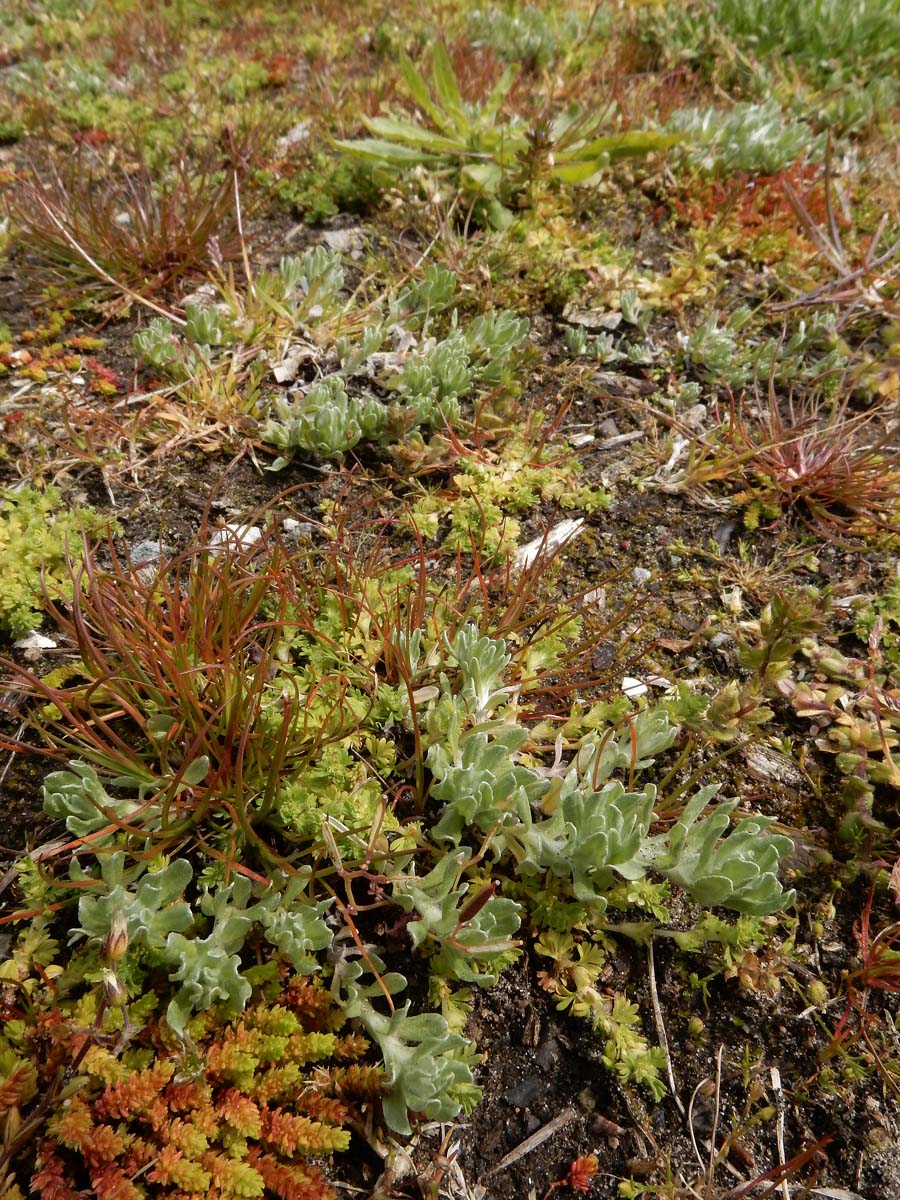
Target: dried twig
[661, 1028]
[775, 1076]
[536, 1139]
[861, 286]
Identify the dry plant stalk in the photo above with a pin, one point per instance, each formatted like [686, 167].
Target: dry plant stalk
[125, 228]
[869, 286]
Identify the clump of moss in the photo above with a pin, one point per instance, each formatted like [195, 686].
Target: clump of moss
[323, 188]
[36, 538]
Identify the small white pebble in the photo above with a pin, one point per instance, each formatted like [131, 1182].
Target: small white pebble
[236, 535]
[33, 643]
[633, 687]
[557, 536]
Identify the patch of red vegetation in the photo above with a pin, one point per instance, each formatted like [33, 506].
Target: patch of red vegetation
[754, 203]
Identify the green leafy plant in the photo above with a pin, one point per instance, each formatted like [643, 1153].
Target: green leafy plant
[202, 656]
[325, 422]
[597, 830]
[424, 299]
[206, 969]
[473, 939]
[823, 36]
[323, 186]
[38, 536]
[161, 347]
[599, 347]
[302, 289]
[77, 797]
[486, 158]
[729, 351]
[572, 982]
[209, 967]
[427, 1069]
[838, 51]
[739, 871]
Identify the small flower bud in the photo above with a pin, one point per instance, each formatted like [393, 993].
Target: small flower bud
[696, 1028]
[13, 1125]
[114, 990]
[818, 993]
[114, 945]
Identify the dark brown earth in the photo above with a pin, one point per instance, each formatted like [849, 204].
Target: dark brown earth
[750, 1043]
[541, 1066]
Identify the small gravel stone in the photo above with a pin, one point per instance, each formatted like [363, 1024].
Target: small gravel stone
[525, 1092]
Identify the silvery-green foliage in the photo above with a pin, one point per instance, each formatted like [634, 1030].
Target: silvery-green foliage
[592, 837]
[426, 1067]
[353, 994]
[292, 274]
[739, 871]
[433, 897]
[318, 275]
[491, 339]
[203, 325]
[633, 747]
[152, 911]
[633, 312]
[711, 346]
[599, 347]
[718, 350]
[575, 340]
[481, 786]
[422, 299]
[78, 797]
[787, 358]
[523, 36]
[466, 940]
[352, 355]
[161, 347]
[326, 421]
[427, 388]
[446, 371]
[481, 947]
[209, 968]
[294, 928]
[409, 647]
[482, 662]
[747, 137]
[596, 835]
[432, 381]
[157, 344]
[596, 831]
[831, 42]
[639, 354]
[371, 416]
